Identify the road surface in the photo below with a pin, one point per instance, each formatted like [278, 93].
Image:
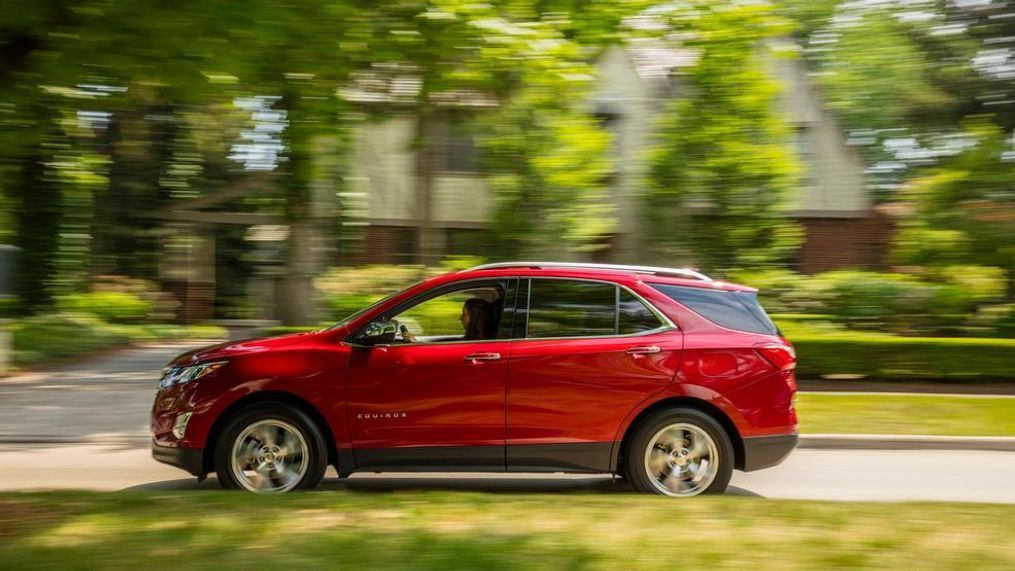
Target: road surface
[106, 401]
[850, 475]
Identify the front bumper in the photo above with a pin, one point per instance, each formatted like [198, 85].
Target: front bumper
[767, 451]
[189, 459]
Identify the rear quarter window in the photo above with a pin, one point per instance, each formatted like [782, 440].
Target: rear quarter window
[737, 310]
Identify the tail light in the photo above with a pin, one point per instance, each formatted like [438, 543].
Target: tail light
[780, 355]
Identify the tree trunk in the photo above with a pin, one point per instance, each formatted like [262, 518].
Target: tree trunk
[39, 213]
[297, 286]
[429, 241]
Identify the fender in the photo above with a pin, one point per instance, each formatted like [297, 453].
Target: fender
[674, 390]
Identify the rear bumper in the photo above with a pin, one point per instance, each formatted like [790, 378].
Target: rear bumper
[189, 459]
[767, 451]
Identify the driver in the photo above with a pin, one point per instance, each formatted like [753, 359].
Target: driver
[477, 320]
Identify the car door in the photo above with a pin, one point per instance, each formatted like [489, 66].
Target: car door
[590, 352]
[438, 402]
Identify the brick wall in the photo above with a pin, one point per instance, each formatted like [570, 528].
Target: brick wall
[835, 243]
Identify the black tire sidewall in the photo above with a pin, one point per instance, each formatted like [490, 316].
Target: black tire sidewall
[635, 454]
[317, 453]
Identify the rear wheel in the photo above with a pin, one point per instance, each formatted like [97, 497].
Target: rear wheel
[680, 452]
[270, 448]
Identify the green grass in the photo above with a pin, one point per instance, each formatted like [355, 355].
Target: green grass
[456, 530]
[906, 414]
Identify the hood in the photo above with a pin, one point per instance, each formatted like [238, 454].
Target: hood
[235, 348]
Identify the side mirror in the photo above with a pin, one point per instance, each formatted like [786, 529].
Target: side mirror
[378, 333]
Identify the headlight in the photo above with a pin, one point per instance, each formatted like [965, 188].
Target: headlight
[179, 375]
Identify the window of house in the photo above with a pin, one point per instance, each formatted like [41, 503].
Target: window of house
[456, 148]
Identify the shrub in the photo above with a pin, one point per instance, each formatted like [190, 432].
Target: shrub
[53, 336]
[993, 320]
[347, 290]
[939, 301]
[368, 280]
[120, 299]
[890, 357]
[780, 291]
[110, 306]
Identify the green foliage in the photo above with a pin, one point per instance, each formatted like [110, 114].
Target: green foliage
[993, 320]
[547, 157]
[50, 337]
[110, 306]
[368, 280]
[876, 74]
[892, 302]
[968, 201]
[888, 357]
[722, 173]
[780, 291]
[940, 302]
[121, 299]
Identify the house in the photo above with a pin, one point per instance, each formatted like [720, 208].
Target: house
[404, 225]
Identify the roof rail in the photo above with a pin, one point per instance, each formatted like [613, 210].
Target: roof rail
[675, 272]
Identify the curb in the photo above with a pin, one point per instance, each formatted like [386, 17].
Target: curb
[905, 442]
[112, 440]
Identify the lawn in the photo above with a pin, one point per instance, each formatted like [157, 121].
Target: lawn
[906, 414]
[443, 530]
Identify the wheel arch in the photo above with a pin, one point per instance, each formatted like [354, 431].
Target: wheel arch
[619, 452]
[282, 397]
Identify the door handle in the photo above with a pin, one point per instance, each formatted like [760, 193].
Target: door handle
[643, 350]
[476, 357]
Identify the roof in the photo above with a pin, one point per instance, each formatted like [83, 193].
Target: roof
[677, 272]
[674, 276]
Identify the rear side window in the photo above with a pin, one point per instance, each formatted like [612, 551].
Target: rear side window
[574, 308]
[568, 308]
[634, 317]
[737, 310]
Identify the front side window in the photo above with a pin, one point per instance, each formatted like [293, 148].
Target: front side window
[467, 314]
[572, 308]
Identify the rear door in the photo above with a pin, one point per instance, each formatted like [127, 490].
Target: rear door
[587, 353]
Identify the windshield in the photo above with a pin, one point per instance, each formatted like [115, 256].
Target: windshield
[349, 318]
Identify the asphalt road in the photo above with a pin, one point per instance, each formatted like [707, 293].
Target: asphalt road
[847, 475]
[107, 400]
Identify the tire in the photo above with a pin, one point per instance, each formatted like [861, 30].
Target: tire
[679, 452]
[277, 448]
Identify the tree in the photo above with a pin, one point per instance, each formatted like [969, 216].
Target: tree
[519, 71]
[964, 210]
[722, 170]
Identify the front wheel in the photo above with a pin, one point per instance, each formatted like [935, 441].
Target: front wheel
[680, 452]
[270, 448]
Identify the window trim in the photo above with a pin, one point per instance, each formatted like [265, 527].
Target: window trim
[666, 323]
[425, 296]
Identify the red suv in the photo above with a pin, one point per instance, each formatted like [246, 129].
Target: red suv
[662, 376]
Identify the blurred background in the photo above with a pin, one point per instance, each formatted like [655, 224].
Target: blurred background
[188, 169]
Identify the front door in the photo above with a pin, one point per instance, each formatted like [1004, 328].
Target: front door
[591, 352]
[433, 398]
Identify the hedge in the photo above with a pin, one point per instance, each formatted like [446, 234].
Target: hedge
[888, 357]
